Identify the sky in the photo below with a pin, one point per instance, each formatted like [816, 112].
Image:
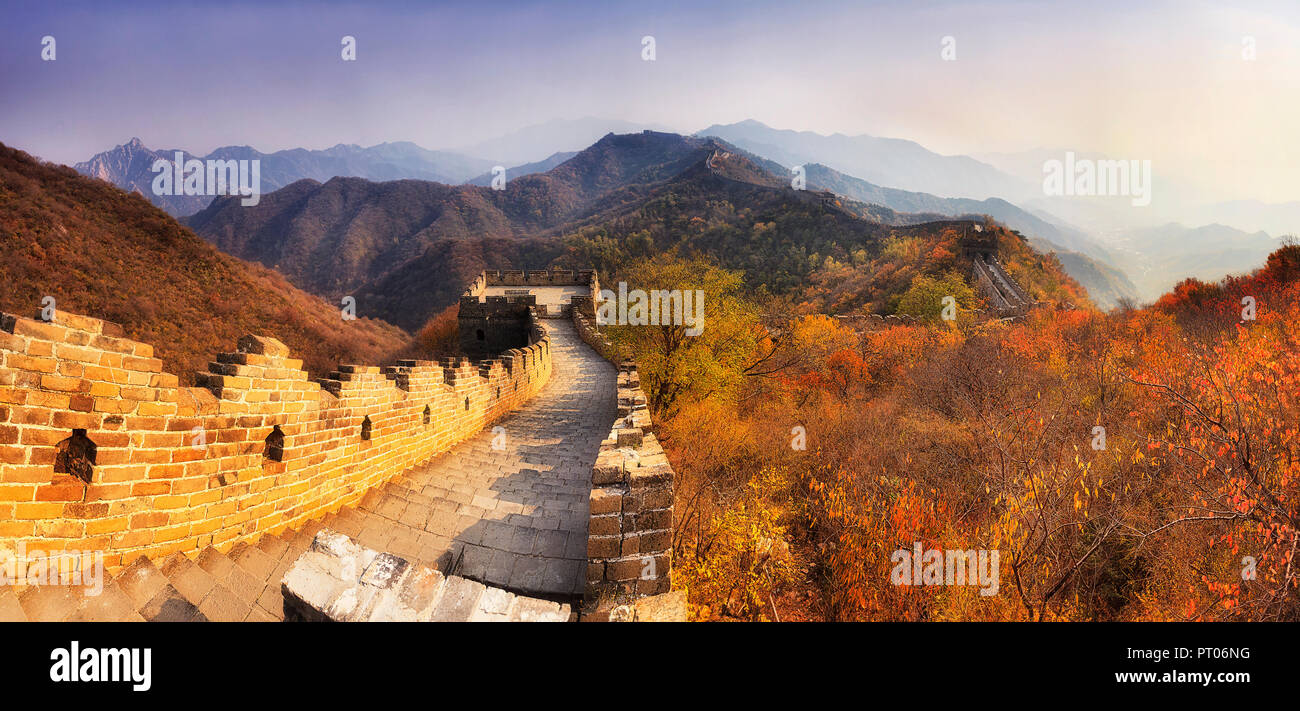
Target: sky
[1164, 81]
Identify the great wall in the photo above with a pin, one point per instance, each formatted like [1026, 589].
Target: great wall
[525, 483]
[260, 494]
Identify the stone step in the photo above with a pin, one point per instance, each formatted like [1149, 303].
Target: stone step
[141, 581]
[273, 546]
[255, 562]
[308, 531]
[50, 603]
[244, 590]
[10, 609]
[207, 594]
[216, 563]
[460, 600]
[223, 605]
[111, 604]
[170, 606]
[340, 579]
[193, 582]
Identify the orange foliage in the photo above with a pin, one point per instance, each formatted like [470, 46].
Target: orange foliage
[1138, 465]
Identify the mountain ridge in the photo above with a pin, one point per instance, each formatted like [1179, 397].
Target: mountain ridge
[129, 166]
[896, 162]
[110, 254]
[404, 248]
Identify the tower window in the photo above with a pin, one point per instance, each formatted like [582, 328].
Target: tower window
[274, 450]
[76, 456]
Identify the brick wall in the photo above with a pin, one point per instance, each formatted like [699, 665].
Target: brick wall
[629, 535]
[178, 469]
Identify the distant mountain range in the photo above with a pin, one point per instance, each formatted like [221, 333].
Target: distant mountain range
[1252, 215]
[1170, 253]
[338, 237]
[532, 149]
[1121, 252]
[404, 248]
[898, 163]
[1084, 260]
[1109, 257]
[129, 166]
[101, 252]
[534, 143]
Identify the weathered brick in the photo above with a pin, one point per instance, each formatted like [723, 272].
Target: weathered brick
[607, 525]
[17, 361]
[606, 500]
[624, 569]
[603, 546]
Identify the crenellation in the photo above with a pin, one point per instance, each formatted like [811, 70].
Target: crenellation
[179, 468]
[629, 535]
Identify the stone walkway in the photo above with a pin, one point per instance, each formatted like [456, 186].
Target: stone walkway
[509, 511]
[513, 517]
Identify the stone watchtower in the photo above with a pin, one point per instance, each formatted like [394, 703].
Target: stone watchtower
[495, 325]
[498, 307]
[977, 241]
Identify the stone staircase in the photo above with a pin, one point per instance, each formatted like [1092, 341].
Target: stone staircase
[242, 585]
[1003, 293]
[340, 580]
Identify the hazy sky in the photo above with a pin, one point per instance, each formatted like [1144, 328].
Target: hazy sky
[1165, 82]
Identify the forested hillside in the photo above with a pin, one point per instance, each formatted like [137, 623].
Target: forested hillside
[106, 253]
[1137, 465]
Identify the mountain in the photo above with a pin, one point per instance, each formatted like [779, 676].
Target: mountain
[534, 143]
[1253, 215]
[129, 166]
[106, 253]
[1085, 260]
[1083, 257]
[404, 248]
[1167, 254]
[1095, 270]
[335, 238]
[519, 171]
[883, 161]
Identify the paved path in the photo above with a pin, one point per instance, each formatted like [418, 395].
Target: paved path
[515, 514]
[513, 518]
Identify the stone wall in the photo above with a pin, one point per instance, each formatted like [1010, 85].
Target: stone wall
[629, 535]
[102, 451]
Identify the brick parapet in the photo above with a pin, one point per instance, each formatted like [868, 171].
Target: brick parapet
[539, 277]
[181, 468]
[629, 534]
